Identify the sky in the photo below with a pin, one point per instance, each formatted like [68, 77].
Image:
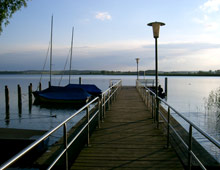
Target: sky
[110, 34]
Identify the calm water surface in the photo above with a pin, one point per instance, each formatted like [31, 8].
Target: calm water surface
[197, 98]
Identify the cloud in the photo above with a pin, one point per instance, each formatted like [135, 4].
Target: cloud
[211, 6]
[121, 56]
[207, 18]
[103, 16]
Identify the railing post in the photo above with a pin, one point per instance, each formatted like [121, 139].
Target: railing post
[65, 145]
[143, 94]
[155, 109]
[114, 95]
[168, 128]
[157, 112]
[190, 148]
[101, 108]
[109, 100]
[99, 113]
[104, 106]
[87, 113]
[152, 106]
[147, 94]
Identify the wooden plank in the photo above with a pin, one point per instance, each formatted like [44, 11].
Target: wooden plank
[128, 139]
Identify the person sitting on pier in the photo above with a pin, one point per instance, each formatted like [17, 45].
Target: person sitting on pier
[160, 91]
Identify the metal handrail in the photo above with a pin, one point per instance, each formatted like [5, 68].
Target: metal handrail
[211, 139]
[119, 83]
[31, 146]
[191, 125]
[111, 92]
[44, 137]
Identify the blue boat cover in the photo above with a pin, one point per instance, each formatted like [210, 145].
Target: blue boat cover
[64, 93]
[90, 88]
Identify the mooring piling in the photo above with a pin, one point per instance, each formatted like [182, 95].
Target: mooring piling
[80, 80]
[30, 93]
[19, 95]
[6, 99]
[40, 86]
[19, 98]
[166, 85]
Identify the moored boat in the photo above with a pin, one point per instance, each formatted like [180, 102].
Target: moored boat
[71, 94]
[89, 88]
[62, 95]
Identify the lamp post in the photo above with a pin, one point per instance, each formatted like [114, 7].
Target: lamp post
[156, 30]
[137, 61]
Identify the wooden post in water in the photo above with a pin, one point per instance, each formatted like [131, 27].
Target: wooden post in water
[30, 94]
[166, 81]
[80, 80]
[6, 99]
[40, 86]
[19, 99]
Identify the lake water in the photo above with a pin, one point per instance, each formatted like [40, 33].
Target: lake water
[197, 98]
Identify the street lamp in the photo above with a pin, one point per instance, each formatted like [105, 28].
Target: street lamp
[156, 30]
[137, 61]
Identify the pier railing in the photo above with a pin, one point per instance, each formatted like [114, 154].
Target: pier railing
[102, 104]
[149, 98]
[109, 95]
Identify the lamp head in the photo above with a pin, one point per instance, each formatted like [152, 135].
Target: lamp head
[156, 28]
[137, 60]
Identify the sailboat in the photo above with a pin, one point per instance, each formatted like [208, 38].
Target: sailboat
[69, 94]
[89, 88]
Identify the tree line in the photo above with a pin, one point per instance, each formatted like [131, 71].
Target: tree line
[107, 72]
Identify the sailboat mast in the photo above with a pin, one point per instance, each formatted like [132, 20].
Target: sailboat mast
[71, 55]
[51, 36]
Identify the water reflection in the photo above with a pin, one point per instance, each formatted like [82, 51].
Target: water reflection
[185, 94]
[7, 117]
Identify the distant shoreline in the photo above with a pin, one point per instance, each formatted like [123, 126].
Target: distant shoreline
[104, 72]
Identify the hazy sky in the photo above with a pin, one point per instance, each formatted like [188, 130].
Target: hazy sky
[110, 34]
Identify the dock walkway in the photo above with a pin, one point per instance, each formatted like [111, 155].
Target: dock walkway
[127, 139]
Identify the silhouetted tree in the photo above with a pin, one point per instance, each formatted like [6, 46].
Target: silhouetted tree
[8, 8]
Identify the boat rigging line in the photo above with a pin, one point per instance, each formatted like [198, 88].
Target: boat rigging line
[51, 40]
[67, 59]
[45, 62]
[70, 54]
[48, 49]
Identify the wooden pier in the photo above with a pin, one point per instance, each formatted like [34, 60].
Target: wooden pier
[127, 139]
